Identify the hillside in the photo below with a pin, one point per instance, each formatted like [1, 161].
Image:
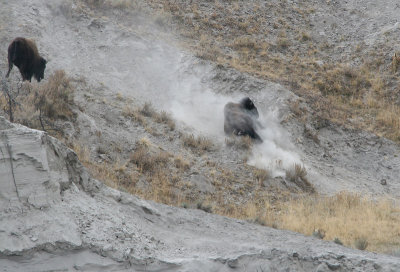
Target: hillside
[137, 90]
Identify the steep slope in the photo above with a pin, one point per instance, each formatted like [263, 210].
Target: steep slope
[55, 213]
[58, 218]
[127, 54]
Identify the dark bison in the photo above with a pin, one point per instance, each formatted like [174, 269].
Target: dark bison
[241, 119]
[24, 54]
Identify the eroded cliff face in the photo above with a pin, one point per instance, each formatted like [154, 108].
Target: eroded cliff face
[34, 168]
[34, 171]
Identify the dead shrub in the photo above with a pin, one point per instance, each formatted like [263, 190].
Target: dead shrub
[147, 161]
[198, 143]
[44, 104]
[243, 142]
[205, 207]
[181, 163]
[361, 243]
[261, 175]
[142, 158]
[54, 98]
[148, 110]
[165, 118]
[135, 115]
[297, 174]
[244, 42]
[343, 80]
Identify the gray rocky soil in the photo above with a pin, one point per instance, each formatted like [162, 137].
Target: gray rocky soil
[55, 217]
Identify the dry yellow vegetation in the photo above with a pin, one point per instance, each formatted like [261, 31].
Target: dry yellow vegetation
[346, 216]
[281, 48]
[337, 92]
[349, 218]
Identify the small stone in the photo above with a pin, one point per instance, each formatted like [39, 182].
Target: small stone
[233, 263]
[333, 266]
[119, 235]
[383, 181]
[34, 239]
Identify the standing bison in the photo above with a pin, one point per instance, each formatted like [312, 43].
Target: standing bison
[241, 119]
[24, 54]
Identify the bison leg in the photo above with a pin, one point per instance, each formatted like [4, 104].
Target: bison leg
[10, 66]
[28, 76]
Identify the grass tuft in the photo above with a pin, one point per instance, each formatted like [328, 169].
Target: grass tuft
[199, 143]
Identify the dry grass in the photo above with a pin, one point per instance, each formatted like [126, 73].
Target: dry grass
[55, 96]
[165, 118]
[298, 175]
[135, 115]
[40, 106]
[234, 34]
[199, 144]
[242, 142]
[181, 163]
[148, 161]
[261, 175]
[347, 217]
[147, 111]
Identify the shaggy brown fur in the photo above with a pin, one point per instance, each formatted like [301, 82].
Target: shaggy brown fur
[240, 119]
[24, 54]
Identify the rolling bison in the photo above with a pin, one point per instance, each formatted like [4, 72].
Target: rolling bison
[241, 119]
[24, 54]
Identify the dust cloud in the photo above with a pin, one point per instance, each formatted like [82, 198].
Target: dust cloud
[191, 100]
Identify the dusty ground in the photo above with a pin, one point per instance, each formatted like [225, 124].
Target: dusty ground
[55, 217]
[122, 60]
[129, 62]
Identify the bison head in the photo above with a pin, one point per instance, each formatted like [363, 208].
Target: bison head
[248, 105]
[39, 71]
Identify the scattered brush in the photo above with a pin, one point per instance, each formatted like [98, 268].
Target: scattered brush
[165, 118]
[198, 143]
[148, 110]
[148, 162]
[181, 163]
[142, 159]
[205, 207]
[243, 142]
[337, 241]
[346, 216]
[54, 98]
[261, 175]
[40, 106]
[361, 243]
[297, 174]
